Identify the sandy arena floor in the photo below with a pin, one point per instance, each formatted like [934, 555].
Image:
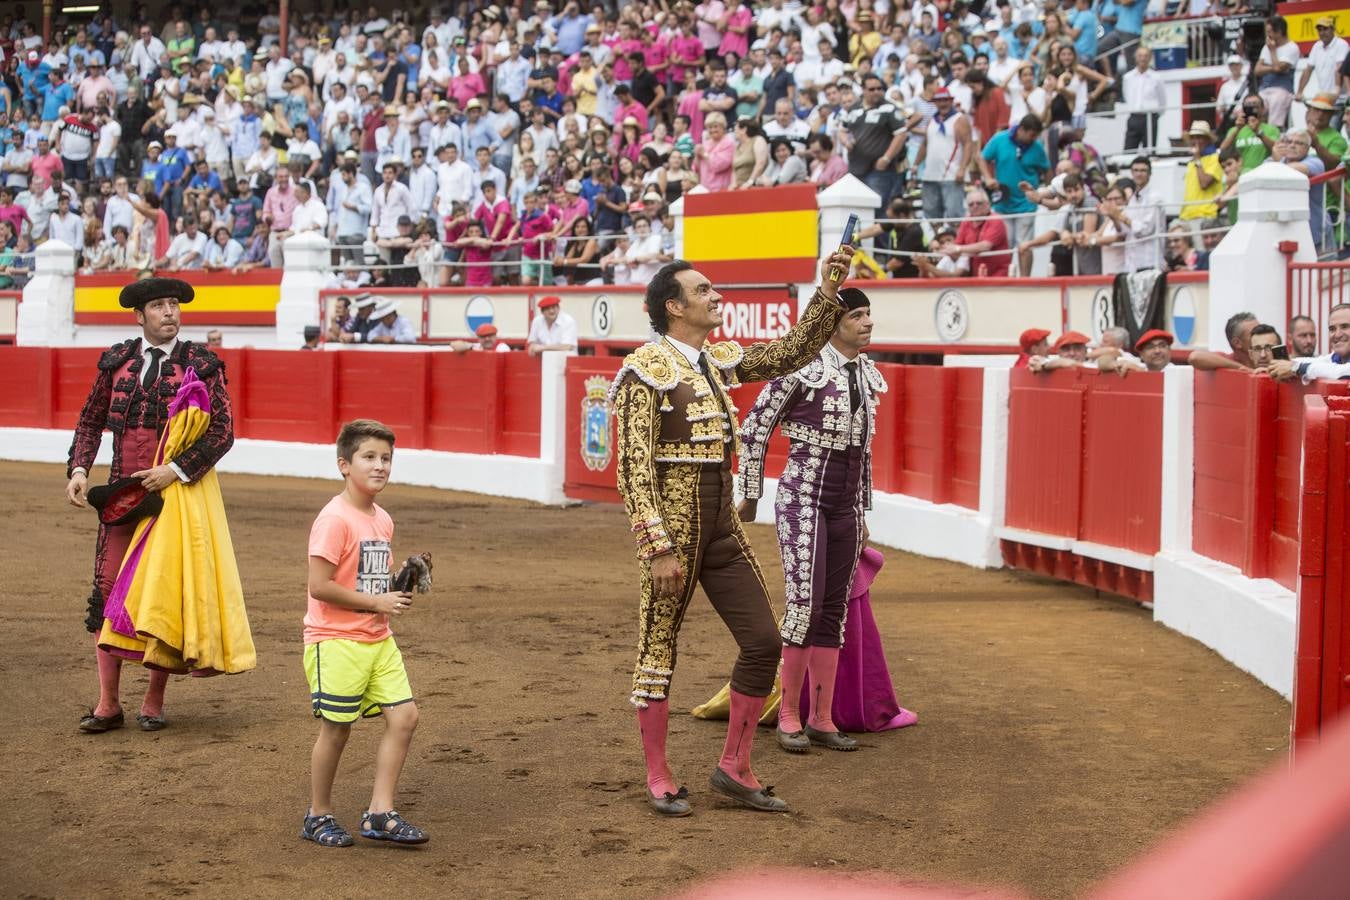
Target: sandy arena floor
[1060, 733]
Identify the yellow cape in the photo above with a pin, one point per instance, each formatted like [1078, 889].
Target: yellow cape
[185, 598]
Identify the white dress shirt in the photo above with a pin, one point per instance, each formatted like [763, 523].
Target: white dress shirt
[387, 205]
[454, 182]
[1144, 91]
[562, 331]
[311, 215]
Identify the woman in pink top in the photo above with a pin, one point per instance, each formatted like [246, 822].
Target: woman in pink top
[736, 28]
[715, 155]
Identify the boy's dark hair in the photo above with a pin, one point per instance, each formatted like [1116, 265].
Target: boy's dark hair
[358, 430]
[1073, 180]
[662, 288]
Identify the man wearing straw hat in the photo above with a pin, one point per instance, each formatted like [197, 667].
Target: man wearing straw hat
[136, 381]
[390, 327]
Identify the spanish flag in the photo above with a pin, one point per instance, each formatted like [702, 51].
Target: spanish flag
[754, 236]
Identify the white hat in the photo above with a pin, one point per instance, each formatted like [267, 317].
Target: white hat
[760, 44]
[361, 301]
[154, 144]
[572, 186]
[1233, 58]
[384, 308]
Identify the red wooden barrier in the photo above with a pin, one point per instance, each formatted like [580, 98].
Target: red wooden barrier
[1322, 659]
[1122, 463]
[472, 403]
[1085, 463]
[588, 470]
[1248, 447]
[1045, 451]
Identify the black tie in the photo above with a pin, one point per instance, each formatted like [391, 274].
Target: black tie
[854, 396]
[152, 370]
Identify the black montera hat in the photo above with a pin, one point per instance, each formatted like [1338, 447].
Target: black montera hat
[853, 298]
[124, 502]
[139, 293]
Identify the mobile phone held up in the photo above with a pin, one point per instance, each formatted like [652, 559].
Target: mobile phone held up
[850, 235]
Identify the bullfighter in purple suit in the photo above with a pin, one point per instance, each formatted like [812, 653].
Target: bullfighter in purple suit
[827, 411]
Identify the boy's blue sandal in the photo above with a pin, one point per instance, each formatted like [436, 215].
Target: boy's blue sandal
[326, 832]
[390, 826]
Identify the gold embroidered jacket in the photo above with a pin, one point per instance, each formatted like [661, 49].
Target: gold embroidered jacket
[667, 413]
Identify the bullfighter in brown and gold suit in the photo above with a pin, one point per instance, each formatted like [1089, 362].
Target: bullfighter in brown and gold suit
[677, 433]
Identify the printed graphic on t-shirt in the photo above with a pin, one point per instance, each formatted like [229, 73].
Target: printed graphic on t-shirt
[372, 572]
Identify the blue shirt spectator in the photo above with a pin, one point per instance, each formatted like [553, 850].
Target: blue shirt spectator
[173, 162]
[478, 133]
[209, 182]
[1130, 19]
[571, 31]
[1086, 22]
[58, 95]
[1017, 156]
[33, 78]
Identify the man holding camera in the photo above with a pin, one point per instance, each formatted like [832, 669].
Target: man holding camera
[1253, 137]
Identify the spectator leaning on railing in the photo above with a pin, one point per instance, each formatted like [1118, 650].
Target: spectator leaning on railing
[982, 240]
[1238, 330]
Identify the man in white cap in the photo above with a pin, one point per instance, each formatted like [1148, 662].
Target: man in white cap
[1234, 87]
[390, 327]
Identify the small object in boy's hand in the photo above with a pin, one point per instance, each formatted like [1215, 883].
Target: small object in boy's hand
[415, 574]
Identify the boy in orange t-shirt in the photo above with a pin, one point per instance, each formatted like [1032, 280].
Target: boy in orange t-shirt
[352, 663]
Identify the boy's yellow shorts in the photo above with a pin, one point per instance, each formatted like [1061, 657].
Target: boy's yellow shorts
[348, 679]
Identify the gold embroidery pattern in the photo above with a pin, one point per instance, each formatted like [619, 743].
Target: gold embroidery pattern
[659, 617]
[637, 424]
[796, 348]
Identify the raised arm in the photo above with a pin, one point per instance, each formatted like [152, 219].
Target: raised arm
[766, 360]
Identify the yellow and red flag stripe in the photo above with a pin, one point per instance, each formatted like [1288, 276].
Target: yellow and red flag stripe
[222, 298]
[756, 236]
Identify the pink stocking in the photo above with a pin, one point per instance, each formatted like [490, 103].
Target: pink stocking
[794, 674]
[153, 704]
[823, 666]
[109, 675]
[652, 723]
[735, 761]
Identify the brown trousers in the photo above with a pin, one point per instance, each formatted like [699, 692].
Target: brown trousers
[697, 505]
